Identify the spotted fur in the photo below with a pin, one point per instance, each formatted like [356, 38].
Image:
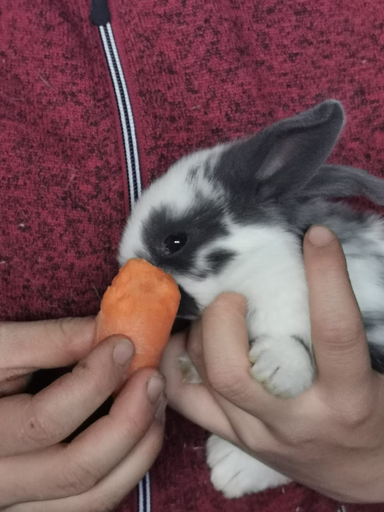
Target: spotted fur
[243, 208]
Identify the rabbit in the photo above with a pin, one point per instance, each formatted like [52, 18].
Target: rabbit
[232, 218]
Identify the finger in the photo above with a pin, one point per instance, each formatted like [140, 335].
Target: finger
[248, 430]
[44, 344]
[112, 489]
[33, 422]
[14, 385]
[227, 365]
[338, 336]
[68, 470]
[193, 401]
[203, 405]
[195, 348]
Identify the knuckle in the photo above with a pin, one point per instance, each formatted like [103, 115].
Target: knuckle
[300, 430]
[135, 426]
[39, 427]
[298, 438]
[230, 384]
[356, 415]
[93, 379]
[65, 334]
[341, 332]
[356, 412]
[65, 326]
[361, 431]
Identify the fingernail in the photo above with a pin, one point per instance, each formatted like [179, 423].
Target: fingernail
[320, 236]
[155, 387]
[160, 411]
[123, 352]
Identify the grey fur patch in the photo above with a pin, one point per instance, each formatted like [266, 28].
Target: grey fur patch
[377, 357]
[192, 174]
[219, 259]
[372, 320]
[343, 181]
[346, 223]
[202, 223]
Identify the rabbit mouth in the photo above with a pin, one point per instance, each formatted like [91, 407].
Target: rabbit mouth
[188, 307]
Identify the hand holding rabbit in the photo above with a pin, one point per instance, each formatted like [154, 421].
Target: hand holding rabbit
[232, 219]
[331, 437]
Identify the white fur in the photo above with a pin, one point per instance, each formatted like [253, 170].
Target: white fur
[235, 473]
[282, 364]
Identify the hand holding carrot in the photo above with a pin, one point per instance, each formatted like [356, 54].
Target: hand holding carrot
[38, 473]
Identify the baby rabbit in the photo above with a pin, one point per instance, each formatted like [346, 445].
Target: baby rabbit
[232, 218]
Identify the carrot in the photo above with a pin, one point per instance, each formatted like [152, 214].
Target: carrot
[141, 304]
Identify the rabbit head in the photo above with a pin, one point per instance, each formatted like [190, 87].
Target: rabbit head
[199, 219]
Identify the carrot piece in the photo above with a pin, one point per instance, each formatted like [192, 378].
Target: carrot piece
[141, 304]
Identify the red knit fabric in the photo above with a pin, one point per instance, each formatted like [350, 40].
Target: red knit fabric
[198, 73]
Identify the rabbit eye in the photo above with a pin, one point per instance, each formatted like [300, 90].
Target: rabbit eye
[174, 243]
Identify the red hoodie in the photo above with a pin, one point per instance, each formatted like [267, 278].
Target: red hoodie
[196, 73]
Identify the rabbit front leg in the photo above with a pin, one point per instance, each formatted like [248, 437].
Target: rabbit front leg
[279, 329]
[282, 363]
[235, 473]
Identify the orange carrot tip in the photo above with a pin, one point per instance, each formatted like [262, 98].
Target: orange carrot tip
[141, 304]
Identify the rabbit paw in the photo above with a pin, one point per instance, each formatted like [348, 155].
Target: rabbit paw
[190, 374]
[235, 473]
[283, 365]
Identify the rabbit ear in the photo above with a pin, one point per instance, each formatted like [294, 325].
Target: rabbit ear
[298, 146]
[283, 158]
[334, 181]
